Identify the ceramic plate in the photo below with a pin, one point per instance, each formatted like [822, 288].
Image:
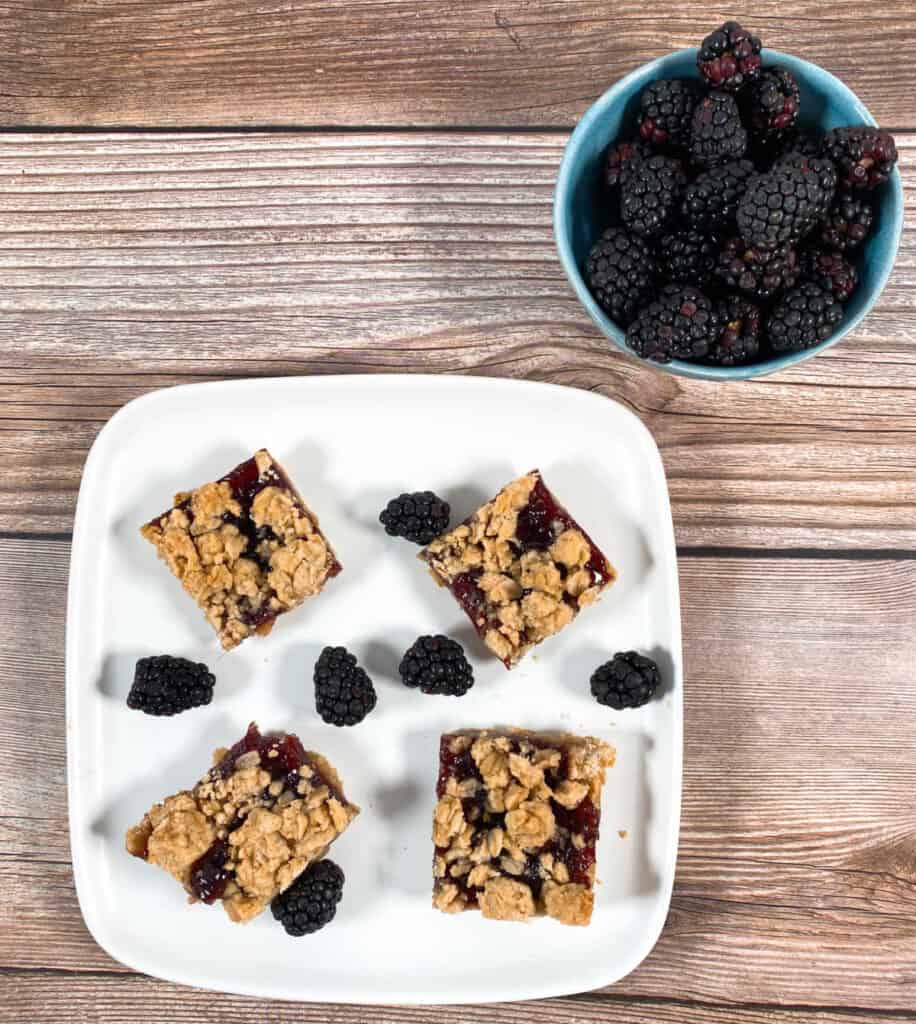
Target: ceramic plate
[350, 443]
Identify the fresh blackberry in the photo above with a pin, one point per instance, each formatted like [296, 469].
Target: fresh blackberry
[729, 58]
[666, 108]
[344, 693]
[779, 206]
[311, 901]
[436, 664]
[716, 133]
[818, 168]
[847, 223]
[621, 272]
[620, 157]
[757, 273]
[164, 685]
[628, 680]
[802, 318]
[687, 255]
[419, 517]
[831, 271]
[711, 200]
[679, 324]
[739, 334]
[650, 193]
[864, 156]
[773, 104]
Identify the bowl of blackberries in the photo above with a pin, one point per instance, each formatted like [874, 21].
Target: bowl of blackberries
[728, 211]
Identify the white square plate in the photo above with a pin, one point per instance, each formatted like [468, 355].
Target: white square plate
[350, 443]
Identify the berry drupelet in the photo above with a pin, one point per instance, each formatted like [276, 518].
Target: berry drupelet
[757, 273]
[164, 685]
[437, 665]
[864, 156]
[729, 58]
[847, 223]
[831, 271]
[620, 157]
[687, 256]
[739, 335]
[419, 517]
[311, 901]
[666, 109]
[803, 317]
[711, 199]
[650, 194]
[773, 104]
[621, 272]
[344, 693]
[628, 680]
[716, 132]
[680, 324]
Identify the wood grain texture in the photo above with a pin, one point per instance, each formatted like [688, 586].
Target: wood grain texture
[135, 262]
[399, 62]
[796, 882]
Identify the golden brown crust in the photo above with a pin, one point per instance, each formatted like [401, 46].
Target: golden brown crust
[242, 589]
[493, 827]
[527, 596]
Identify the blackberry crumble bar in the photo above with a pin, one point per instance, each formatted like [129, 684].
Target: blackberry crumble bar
[264, 812]
[245, 547]
[521, 568]
[516, 825]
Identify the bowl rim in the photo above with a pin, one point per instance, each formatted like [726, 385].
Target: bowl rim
[562, 226]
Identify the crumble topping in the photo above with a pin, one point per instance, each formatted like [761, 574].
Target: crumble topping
[269, 831]
[516, 823]
[246, 548]
[519, 593]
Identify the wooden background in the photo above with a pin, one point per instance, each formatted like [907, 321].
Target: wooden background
[204, 189]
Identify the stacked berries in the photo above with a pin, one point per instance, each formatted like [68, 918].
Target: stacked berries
[733, 230]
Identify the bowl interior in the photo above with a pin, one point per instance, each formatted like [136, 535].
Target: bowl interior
[581, 213]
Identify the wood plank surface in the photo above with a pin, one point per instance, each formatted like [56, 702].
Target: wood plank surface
[134, 262]
[796, 881]
[400, 62]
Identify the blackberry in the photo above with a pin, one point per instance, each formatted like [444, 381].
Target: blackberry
[729, 58]
[628, 680]
[711, 200]
[687, 256]
[436, 664]
[680, 324]
[344, 693]
[831, 271]
[621, 157]
[311, 901]
[758, 273]
[739, 334]
[773, 104]
[621, 272]
[666, 107]
[818, 168]
[802, 318]
[650, 193]
[164, 685]
[847, 223]
[419, 517]
[864, 156]
[717, 134]
[779, 207]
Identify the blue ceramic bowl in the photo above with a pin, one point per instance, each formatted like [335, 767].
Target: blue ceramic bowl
[578, 217]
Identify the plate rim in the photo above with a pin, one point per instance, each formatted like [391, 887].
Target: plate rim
[74, 631]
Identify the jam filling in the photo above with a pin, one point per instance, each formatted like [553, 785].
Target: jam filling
[583, 819]
[282, 755]
[539, 524]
